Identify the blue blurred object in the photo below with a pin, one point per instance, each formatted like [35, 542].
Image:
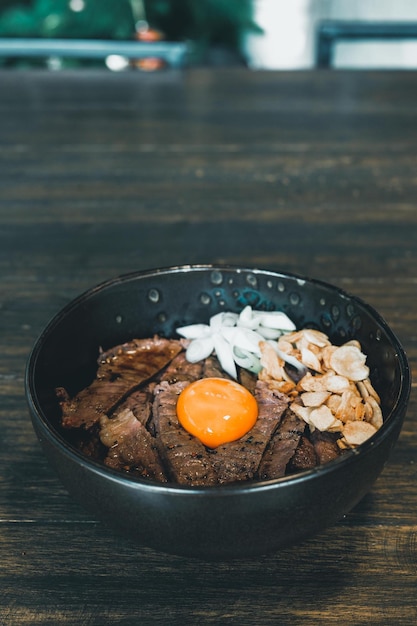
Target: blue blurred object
[173, 54]
[330, 33]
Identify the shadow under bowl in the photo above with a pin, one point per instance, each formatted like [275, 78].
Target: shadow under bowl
[228, 521]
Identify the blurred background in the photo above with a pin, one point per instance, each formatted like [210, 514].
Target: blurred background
[259, 34]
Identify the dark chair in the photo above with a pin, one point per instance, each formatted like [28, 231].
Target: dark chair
[329, 33]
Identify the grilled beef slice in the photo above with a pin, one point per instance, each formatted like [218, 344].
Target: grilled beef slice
[281, 447]
[239, 460]
[247, 379]
[131, 446]
[212, 369]
[139, 402]
[325, 446]
[186, 458]
[120, 370]
[304, 458]
[180, 370]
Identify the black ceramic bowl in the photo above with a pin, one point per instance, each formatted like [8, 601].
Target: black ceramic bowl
[211, 522]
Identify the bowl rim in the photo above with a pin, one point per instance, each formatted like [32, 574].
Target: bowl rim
[391, 421]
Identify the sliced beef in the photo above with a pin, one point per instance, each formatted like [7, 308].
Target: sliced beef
[180, 370]
[186, 458]
[212, 369]
[281, 447]
[121, 370]
[139, 402]
[247, 379]
[131, 447]
[304, 456]
[325, 446]
[239, 460]
[88, 442]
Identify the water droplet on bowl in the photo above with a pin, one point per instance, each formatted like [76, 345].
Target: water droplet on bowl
[153, 295]
[205, 298]
[295, 298]
[325, 321]
[216, 277]
[252, 280]
[335, 312]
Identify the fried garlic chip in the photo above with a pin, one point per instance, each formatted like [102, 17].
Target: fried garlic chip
[355, 433]
[349, 361]
[335, 394]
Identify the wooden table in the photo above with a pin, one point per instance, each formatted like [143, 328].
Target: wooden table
[102, 174]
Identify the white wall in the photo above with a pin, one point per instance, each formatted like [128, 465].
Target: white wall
[289, 36]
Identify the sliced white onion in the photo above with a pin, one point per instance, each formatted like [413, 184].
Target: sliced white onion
[236, 337]
[199, 349]
[230, 319]
[269, 333]
[229, 333]
[194, 331]
[247, 339]
[247, 319]
[224, 353]
[275, 319]
[247, 360]
[223, 319]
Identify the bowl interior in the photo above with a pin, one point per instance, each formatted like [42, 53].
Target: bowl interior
[157, 302]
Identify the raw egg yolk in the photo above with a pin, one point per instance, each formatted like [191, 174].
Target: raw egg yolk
[216, 410]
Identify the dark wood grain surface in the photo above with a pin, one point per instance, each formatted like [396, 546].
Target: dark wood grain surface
[102, 174]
